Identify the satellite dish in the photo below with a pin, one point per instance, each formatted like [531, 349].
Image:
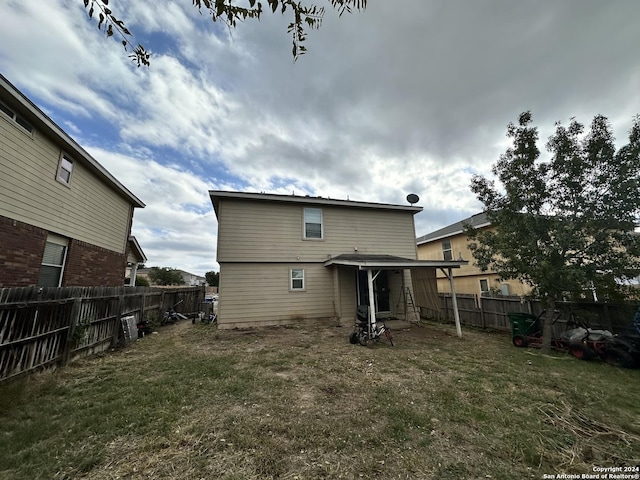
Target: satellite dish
[413, 198]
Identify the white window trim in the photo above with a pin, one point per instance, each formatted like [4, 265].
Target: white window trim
[450, 250]
[291, 279]
[480, 285]
[59, 178]
[13, 118]
[304, 224]
[58, 240]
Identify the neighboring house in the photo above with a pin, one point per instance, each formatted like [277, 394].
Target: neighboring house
[192, 279]
[286, 259]
[451, 243]
[135, 258]
[189, 279]
[64, 219]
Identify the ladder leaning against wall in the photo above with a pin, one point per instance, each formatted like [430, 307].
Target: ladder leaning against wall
[409, 305]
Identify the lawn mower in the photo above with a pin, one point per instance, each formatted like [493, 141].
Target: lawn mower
[581, 341]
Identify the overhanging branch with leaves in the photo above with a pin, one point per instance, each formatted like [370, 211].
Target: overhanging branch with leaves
[228, 12]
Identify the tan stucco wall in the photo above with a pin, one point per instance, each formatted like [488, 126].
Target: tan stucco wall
[467, 278]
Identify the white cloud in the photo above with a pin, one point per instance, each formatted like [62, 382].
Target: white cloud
[399, 99]
[177, 228]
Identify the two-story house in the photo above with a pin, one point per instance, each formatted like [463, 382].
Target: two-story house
[64, 219]
[288, 258]
[450, 243]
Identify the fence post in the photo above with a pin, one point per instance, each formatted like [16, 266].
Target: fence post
[117, 326]
[479, 305]
[74, 320]
[144, 304]
[446, 307]
[607, 317]
[162, 306]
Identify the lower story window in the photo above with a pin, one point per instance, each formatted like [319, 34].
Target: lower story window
[55, 252]
[297, 279]
[484, 285]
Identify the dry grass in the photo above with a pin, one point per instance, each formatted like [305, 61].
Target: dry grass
[193, 402]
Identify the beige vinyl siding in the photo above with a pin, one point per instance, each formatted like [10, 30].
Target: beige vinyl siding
[346, 296]
[258, 294]
[87, 210]
[254, 231]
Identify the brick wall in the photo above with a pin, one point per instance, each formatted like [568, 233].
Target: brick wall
[21, 248]
[88, 265]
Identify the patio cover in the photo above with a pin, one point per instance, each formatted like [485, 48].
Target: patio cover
[376, 263]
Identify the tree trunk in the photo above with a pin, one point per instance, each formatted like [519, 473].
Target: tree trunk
[547, 329]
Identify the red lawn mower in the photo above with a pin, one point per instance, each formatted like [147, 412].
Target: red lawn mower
[581, 341]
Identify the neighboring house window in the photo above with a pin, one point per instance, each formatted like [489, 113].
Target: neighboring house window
[447, 253]
[15, 117]
[312, 223]
[65, 169]
[484, 285]
[504, 289]
[55, 252]
[297, 279]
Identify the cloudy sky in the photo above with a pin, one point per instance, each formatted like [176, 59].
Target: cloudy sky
[405, 97]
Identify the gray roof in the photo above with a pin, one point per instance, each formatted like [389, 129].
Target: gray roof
[216, 195]
[382, 262]
[478, 220]
[47, 126]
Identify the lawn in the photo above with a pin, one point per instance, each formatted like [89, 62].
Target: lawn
[192, 402]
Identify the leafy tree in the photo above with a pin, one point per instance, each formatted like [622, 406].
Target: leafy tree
[566, 225]
[213, 278]
[228, 12]
[165, 276]
[140, 281]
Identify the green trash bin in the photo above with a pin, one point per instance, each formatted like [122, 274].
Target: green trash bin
[522, 326]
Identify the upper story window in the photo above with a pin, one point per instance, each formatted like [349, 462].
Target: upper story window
[15, 117]
[313, 223]
[447, 252]
[65, 169]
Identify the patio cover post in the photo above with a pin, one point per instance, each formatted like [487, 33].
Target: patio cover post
[372, 302]
[132, 274]
[454, 300]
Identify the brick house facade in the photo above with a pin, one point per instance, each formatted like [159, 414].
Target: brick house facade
[64, 219]
[21, 252]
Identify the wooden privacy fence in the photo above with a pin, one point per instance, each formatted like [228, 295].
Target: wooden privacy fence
[492, 312]
[43, 327]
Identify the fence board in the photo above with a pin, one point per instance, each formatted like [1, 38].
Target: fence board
[40, 327]
[493, 312]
